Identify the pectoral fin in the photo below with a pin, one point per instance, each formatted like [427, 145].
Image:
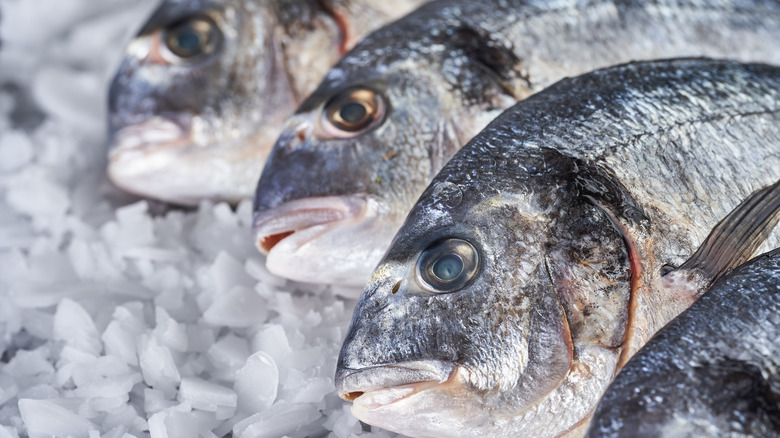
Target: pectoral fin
[737, 237]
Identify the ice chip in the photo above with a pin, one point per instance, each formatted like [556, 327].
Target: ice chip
[314, 390]
[8, 388]
[257, 383]
[157, 365]
[46, 418]
[16, 150]
[200, 338]
[206, 396]
[169, 332]
[228, 355]
[238, 307]
[273, 340]
[280, 420]
[226, 272]
[74, 326]
[34, 194]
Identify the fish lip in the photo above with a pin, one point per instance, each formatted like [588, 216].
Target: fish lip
[317, 214]
[138, 151]
[396, 380]
[168, 132]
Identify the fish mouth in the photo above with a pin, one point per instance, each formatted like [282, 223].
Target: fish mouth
[309, 239]
[139, 154]
[309, 216]
[166, 132]
[383, 385]
[417, 398]
[164, 158]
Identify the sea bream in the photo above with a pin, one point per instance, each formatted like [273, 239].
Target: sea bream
[361, 149]
[713, 371]
[205, 87]
[554, 244]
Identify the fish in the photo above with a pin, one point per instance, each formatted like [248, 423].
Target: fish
[359, 151]
[713, 371]
[551, 247]
[205, 86]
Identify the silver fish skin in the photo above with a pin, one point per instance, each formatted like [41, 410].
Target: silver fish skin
[714, 371]
[204, 89]
[542, 256]
[333, 194]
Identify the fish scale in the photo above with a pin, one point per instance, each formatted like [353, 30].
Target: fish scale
[442, 73]
[588, 167]
[184, 126]
[710, 371]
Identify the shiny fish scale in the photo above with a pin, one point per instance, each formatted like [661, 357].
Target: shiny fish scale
[714, 370]
[444, 72]
[598, 195]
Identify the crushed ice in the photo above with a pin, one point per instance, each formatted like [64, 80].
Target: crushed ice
[117, 322]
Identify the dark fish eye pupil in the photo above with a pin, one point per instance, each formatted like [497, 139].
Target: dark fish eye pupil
[193, 37]
[353, 112]
[448, 267]
[188, 40]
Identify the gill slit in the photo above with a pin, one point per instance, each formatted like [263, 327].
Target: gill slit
[566, 324]
[341, 24]
[635, 274]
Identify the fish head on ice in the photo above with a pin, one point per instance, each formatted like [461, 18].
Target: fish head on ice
[478, 316]
[333, 181]
[199, 98]
[373, 135]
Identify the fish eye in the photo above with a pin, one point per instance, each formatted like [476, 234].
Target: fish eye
[191, 37]
[352, 112]
[447, 265]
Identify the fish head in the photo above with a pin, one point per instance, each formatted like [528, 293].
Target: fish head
[332, 179]
[475, 316]
[196, 101]
[372, 135]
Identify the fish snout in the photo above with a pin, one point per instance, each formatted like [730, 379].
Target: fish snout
[141, 155]
[273, 225]
[299, 237]
[401, 379]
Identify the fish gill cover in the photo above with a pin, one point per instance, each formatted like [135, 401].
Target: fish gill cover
[118, 322]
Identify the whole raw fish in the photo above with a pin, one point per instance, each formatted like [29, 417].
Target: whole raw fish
[205, 87]
[713, 371]
[361, 149]
[543, 255]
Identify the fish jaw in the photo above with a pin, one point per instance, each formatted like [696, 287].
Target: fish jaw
[298, 237]
[161, 158]
[417, 399]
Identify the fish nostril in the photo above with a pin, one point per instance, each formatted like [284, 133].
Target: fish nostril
[298, 139]
[351, 396]
[395, 288]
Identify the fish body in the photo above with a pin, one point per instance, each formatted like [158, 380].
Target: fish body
[205, 86]
[554, 244]
[336, 190]
[712, 371]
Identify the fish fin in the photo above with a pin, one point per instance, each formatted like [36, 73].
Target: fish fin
[736, 238]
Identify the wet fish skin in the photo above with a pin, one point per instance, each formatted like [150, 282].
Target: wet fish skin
[199, 125]
[443, 72]
[577, 201]
[712, 371]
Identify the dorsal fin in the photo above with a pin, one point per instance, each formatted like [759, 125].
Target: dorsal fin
[737, 237]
